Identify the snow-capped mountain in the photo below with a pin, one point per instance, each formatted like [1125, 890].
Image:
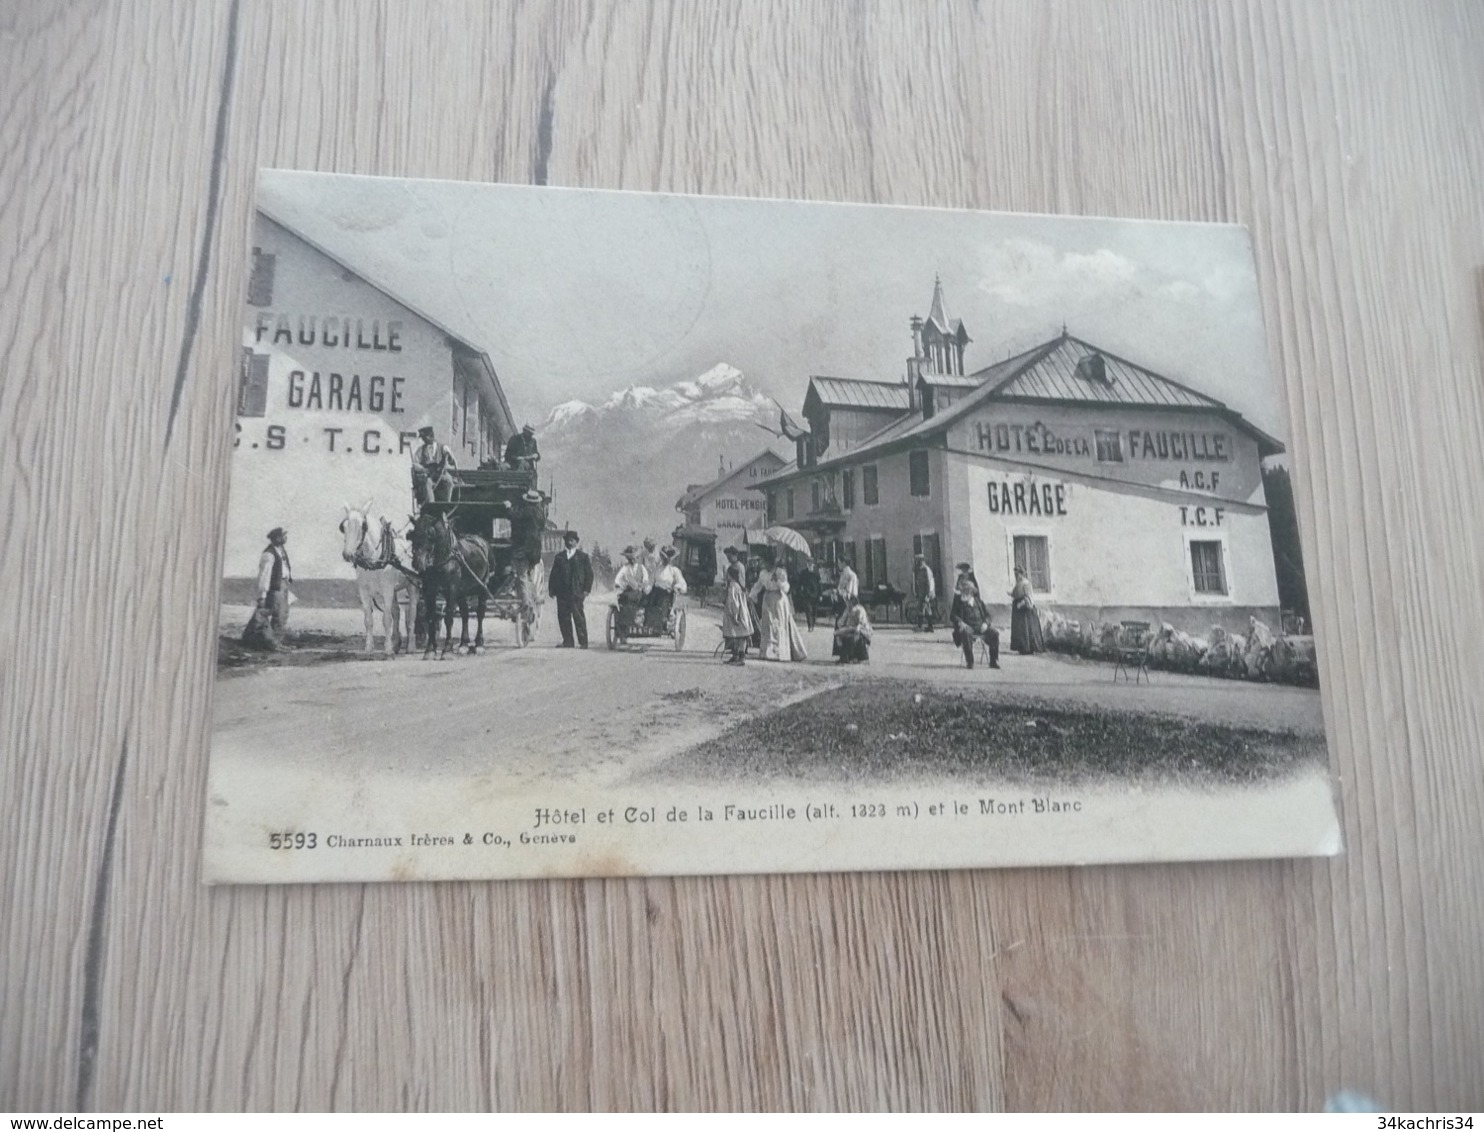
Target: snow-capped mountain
[617, 467]
[720, 394]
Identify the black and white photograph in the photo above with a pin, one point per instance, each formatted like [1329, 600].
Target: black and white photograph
[580, 533]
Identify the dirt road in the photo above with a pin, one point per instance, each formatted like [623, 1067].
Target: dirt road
[544, 714]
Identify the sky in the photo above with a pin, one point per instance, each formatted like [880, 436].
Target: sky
[578, 293]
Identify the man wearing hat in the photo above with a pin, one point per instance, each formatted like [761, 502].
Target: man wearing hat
[668, 581]
[274, 576]
[521, 451]
[432, 469]
[631, 584]
[570, 582]
[970, 620]
[965, 570]
[925, 590]
[527, 521]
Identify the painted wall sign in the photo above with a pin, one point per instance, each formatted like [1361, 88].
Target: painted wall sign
[368, 442]
[1022, 498]
[1202, 516]
[1035, 439]
[347, 393]
[1207, 446]
[329, 331]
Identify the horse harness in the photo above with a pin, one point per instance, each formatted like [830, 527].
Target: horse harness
[457, 555]
[388, 556]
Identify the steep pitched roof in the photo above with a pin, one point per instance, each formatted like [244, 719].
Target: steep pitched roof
[1060, 375]
[938, 315]
[853, 393]
[952, 380]
[301, 230]
[1050, 372]
[697, 491]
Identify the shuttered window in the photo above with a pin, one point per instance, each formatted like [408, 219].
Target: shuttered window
[772, 511]
[847, 488]
[788, 503]
[917, 474]
[1206, 569]
[876, 562]
[260, 281]
[252, 385]
[1033, 555]
[869, 494]
[1109, 445]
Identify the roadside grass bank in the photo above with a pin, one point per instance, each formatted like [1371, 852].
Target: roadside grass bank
[888, 730]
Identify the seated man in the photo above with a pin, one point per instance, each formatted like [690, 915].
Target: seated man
[970, 619]
[668, 581]
[521, 452]
[853, 635]
[631, 585]
[432, 469]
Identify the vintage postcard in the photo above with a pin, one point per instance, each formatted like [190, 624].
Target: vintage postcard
[584, 533]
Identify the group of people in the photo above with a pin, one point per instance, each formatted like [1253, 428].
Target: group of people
[970, 621]
[760, 616]
[645, 587]
[433, 464]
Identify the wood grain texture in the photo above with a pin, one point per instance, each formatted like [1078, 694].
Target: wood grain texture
[1345, 133]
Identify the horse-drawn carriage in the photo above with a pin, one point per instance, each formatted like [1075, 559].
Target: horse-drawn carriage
[696, 558]
[484, 543]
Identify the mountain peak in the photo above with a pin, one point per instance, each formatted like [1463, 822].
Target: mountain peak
[721, 393]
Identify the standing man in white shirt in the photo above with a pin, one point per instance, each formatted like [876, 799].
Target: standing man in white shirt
[274, 576]
[847, 588]
[631, 585]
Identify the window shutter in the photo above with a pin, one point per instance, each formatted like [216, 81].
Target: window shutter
[260, 281]
[868, 485]
[847, 489]
[252, 385]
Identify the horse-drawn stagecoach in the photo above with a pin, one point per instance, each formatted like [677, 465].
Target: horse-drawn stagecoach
[483, 543]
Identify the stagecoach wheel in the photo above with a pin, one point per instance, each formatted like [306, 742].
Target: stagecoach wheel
[612, 627]
[679, 630]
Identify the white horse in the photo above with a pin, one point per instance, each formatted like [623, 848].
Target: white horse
[374, 550]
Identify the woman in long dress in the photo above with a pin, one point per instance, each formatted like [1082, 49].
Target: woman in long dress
[736, 616]
[781, 639]
[1025, 620]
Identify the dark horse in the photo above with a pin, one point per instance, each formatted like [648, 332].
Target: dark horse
[451, 566]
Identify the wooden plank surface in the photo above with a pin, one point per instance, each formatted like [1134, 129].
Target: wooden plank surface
[1345, 133]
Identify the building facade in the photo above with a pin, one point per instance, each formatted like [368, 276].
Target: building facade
[1124, 494]
[727, 504]
[336, 376]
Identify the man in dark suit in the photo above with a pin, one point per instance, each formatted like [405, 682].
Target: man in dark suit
[570, 581]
